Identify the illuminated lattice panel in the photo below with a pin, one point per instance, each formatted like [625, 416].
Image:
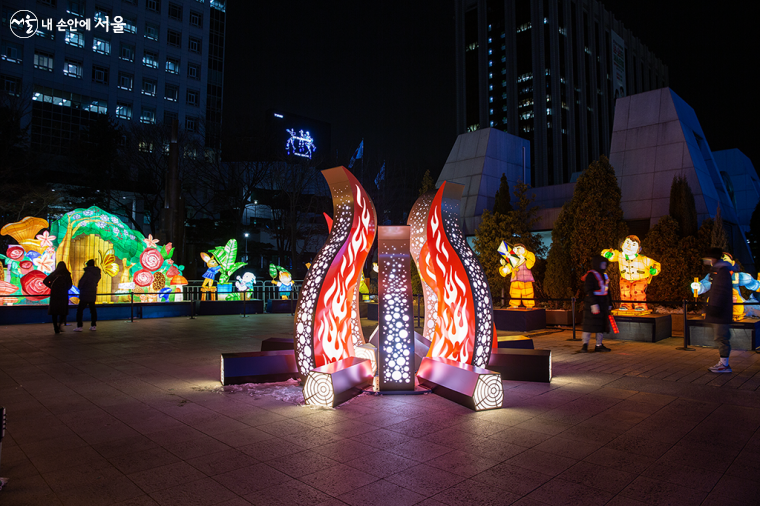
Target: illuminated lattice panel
[395, 315]
[324, 327]
[337, 382]
[479, 291]
[417, 222]
[474, 387]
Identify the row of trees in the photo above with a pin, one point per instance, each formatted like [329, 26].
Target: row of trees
[590, 222]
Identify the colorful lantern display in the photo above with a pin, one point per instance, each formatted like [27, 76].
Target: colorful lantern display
[636, 272]
[126, 258]
[518, 261]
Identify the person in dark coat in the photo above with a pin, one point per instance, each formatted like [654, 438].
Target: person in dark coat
[88, 292]
[597, 304]
[720, 306]
[59, 282]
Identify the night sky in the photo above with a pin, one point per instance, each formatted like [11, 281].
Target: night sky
[384, 71]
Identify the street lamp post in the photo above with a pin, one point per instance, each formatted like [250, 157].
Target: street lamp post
[246, 247]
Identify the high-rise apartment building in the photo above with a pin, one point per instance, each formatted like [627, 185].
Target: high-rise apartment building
[136, 60]
[548, 71]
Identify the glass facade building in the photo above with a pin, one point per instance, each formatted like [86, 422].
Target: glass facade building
[548, 71]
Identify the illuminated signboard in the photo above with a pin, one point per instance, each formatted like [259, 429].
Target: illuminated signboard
[300, 143]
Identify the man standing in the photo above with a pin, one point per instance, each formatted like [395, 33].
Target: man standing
[88, 292]
[720, 306]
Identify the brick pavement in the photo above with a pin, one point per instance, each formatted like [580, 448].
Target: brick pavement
[133, 414]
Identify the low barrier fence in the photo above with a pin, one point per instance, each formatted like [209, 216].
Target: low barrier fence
[266, 292]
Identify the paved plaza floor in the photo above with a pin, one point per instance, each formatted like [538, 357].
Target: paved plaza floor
[134, 414]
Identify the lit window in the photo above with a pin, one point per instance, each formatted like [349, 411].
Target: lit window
[149, 87]
[171, 92]
[76, 8]
[192, 97]
[151, 31]
[172, 65]
[173, 38]
[98, 106]
[150, 59]
[145, 146]
[490, 51]
[12, 52]
[148, 115]
[123, 111]
[153, 5]
[127, 52]
[72, 68]
[101, 46]
[126, 81]
[195, 45]
[45, 34]
[130, 24]
[193, 71]
[175, 11]
[101, 14]
[196, 19]
[490, 99]
[490, 63]
[75, 39]
[43, 61]
[490, 87]
[490, 111]
[99, 74]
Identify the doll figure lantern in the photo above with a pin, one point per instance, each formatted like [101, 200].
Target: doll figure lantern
[284, 280]
[636, 272]
[518, 261]
[738, 280]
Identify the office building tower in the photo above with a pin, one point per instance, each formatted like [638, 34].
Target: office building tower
[548, 71]
[143, 61]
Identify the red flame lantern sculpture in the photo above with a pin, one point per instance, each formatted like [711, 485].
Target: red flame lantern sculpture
[325, 330]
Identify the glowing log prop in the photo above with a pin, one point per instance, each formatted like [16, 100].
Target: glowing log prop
[464, 329]
[474, 387]
[337, 382]
[258, 367]
[417, 222]
[396, 322]
[522, 364]
[324, 328]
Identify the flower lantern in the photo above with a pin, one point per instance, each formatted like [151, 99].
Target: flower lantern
[151, 259]
[25, 267]
[33, 287]
[15, 252]
[143, 277]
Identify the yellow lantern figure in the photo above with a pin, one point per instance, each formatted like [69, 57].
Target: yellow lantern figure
[518, 261]
[636, 272]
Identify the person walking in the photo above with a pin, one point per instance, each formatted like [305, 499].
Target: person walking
[720, 306]
[59, 282]
[597, 304]
[88, 291]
